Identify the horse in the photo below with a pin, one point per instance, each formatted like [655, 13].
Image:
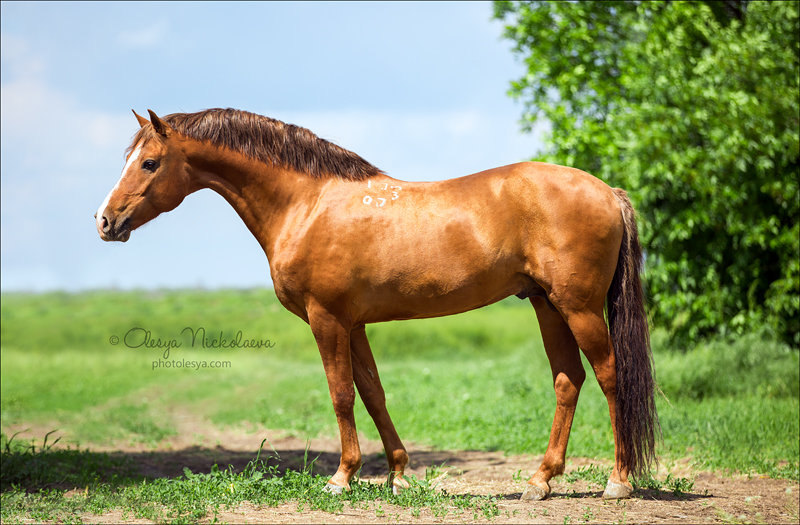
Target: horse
[348, 245]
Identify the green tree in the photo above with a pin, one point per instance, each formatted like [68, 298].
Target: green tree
[693, 108]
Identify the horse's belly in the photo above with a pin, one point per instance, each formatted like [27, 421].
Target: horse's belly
[448, 293]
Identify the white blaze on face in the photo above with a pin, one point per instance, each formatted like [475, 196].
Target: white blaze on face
[102, 209]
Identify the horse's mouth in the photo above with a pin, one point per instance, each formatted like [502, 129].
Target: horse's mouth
[124, 235]
[117, 236]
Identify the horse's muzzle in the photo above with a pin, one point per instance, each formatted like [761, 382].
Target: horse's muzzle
[112, 229]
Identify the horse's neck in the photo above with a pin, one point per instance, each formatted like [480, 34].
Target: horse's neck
[262, 195]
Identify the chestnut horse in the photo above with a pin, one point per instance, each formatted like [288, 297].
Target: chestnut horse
[348, 245]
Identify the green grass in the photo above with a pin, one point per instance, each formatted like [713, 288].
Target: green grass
[192, 496]
[595, 475]
[733, 405]
[479, 380]
[730, 405]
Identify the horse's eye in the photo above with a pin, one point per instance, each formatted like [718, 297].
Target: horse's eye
[150, 165]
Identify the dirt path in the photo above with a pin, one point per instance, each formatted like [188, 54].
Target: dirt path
[713, 499]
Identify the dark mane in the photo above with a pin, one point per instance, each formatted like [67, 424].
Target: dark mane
[267, 140]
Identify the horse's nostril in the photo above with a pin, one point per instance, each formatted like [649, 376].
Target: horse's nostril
[104, 224]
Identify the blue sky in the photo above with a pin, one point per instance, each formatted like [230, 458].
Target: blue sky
[418, 89]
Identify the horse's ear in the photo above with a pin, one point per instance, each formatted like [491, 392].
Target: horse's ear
[161, 127]
[142, 121]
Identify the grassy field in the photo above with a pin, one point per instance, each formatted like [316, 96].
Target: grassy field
[95, 365]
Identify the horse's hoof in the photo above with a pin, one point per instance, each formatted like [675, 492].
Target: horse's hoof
[333, 489]
[399, 485]
[616, 490]
[535, 493]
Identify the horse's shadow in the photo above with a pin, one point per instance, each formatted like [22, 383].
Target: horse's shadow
[68, 469]
[641, 494]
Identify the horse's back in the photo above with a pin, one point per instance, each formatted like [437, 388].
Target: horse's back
[550, 204]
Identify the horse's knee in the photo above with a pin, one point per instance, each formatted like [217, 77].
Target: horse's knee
[343, 401]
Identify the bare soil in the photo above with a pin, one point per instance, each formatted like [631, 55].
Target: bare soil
[715, 497]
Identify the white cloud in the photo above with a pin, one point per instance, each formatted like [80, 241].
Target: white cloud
[47, 124]
[50, 125]
[16, 53]
[143, 37]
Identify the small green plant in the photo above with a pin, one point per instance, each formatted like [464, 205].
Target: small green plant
[490, 509]
[435, 472]
[594, 474]
[677, 485]
[648, 482]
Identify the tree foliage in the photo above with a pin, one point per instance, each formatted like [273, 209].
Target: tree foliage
[693, 108]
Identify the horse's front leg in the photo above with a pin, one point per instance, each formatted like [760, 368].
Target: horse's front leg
[365, 373]
[333, 340]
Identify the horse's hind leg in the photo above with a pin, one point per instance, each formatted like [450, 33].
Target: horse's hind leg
[591, 332]
[568, 376]
[365, 374]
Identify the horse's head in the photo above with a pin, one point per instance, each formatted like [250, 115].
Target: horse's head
[154, 180]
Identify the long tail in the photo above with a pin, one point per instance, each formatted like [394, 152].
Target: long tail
[636, 419]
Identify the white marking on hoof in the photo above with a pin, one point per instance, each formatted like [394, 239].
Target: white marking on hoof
[534, 493]
[333, 489]
[616, 490]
